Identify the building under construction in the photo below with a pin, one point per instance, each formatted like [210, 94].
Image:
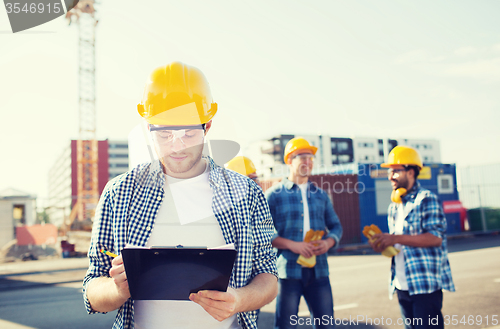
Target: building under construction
[63, 178]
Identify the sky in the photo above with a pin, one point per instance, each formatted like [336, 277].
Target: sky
[385, 69]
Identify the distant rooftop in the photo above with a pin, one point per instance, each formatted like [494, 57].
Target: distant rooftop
[14, 193]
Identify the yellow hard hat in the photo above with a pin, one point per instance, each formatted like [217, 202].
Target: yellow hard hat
[177, 94]
[405, 156]
[242, 165]
[296, 144]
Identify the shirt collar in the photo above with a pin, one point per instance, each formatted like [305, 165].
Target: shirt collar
[215, 176]
[288, 184]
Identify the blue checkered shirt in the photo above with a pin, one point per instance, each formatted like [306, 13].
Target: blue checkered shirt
[129, 205]
[287, 210]
[427, 269]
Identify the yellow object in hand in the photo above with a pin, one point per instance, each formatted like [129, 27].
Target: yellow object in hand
[311, 235]
[370, 231]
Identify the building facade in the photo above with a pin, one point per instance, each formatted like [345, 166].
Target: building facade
[335, 153]
[62, 184]
[17, 208]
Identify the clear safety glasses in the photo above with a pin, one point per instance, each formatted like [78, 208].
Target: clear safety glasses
[188, 135]
[303, 157]
[392, 171]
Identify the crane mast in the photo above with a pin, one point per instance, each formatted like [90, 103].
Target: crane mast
[87, 152]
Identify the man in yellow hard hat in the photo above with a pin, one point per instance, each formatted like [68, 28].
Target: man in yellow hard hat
[244, 166]
[417, 227]
[296, 207]
[185, 199]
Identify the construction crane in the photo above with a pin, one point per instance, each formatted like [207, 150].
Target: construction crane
[87, 154]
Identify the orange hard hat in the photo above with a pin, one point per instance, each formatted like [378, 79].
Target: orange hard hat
[177, 94]
[297, 144]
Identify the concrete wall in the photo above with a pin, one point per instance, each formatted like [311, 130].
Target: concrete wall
[7, 221]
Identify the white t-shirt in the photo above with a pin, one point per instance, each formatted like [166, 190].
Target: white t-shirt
[186, 218]
[307, 222]
[400, 281]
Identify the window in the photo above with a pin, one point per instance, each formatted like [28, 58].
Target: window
[344, 158]
[445, 184]
[118, 165]
[118, 146]
[343, 146]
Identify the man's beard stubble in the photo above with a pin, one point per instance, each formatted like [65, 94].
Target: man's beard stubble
[182, 167]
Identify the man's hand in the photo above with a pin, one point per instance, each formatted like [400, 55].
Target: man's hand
[117, 272]
[382, 241]
[107, 294]
[322, 246]
[220, 305]
[305, 249]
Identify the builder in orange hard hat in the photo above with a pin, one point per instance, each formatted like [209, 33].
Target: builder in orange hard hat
[244, 166]
[183, 198]
[298, 206]
[417, 227]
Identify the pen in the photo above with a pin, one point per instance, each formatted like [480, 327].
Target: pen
[108, 253]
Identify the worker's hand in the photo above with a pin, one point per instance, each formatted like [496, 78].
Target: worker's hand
[117, 273]
[305, 249]
[220, 305]
[322, 246]
[381, 241]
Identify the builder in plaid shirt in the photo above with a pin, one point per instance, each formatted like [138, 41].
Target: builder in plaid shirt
[417, 227]
[297, 206]
[184, 199]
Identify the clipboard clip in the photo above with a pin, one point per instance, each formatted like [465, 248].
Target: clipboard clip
[179, 246]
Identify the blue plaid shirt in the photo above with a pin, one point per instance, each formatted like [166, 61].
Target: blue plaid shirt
[129, 205]
[427, 269]
[287, 210]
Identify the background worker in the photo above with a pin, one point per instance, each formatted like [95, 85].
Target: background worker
[244, 166]
[417, 227]
[297, 206]
[182, 198]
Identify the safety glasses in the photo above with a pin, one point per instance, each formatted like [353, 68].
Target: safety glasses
[186, 134]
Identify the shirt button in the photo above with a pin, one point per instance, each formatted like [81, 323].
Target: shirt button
[300, 201]
[302, 215]
[149, 228]
[158, 198]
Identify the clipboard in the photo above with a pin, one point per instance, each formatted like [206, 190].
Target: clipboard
[175, 273]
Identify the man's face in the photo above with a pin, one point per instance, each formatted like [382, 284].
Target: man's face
[179, 149]
[398, 175]
[301, 163]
